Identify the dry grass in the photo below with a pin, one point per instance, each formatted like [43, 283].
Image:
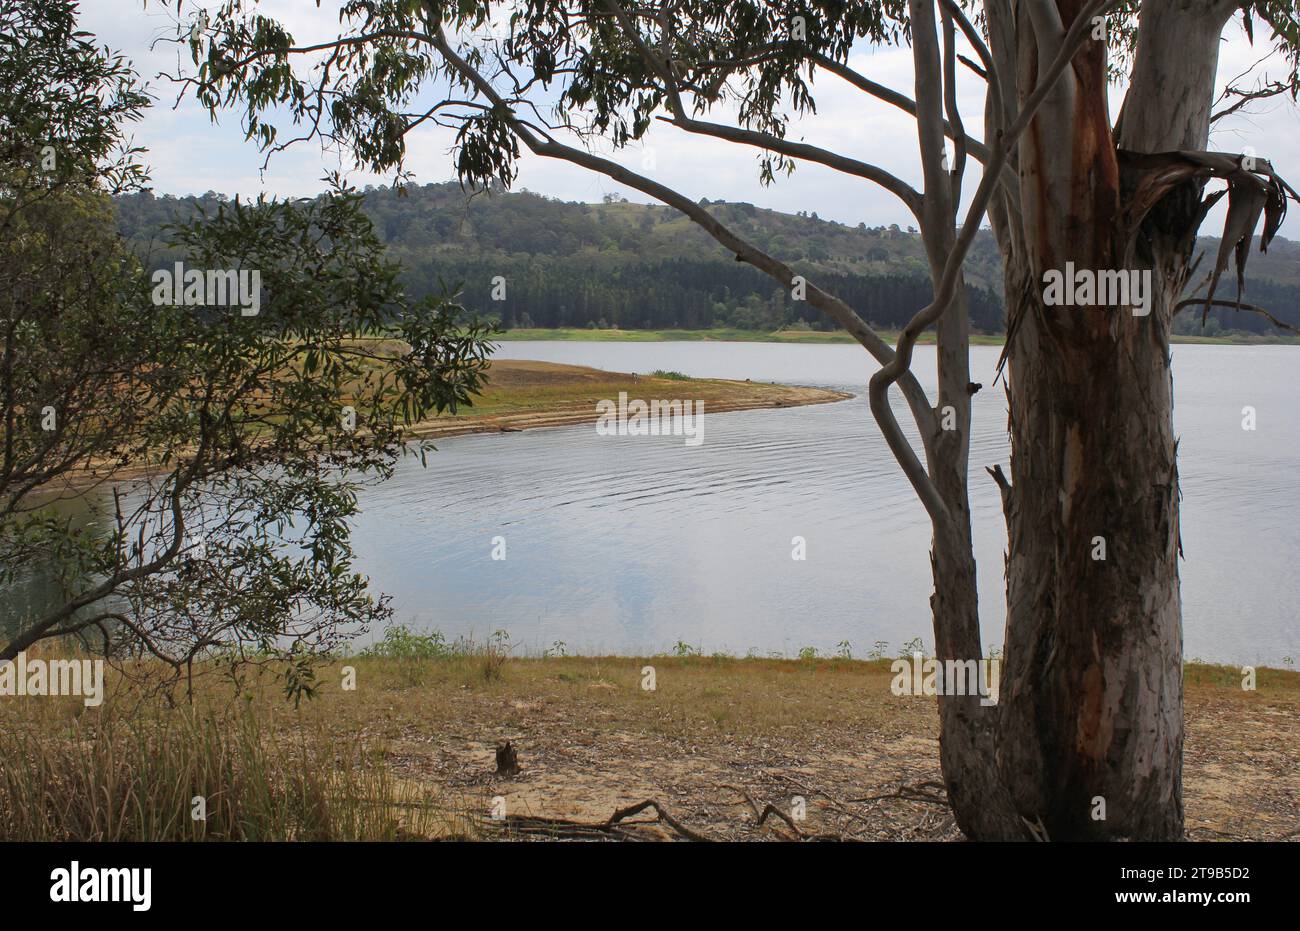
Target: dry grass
[410, 752]
[137, 770]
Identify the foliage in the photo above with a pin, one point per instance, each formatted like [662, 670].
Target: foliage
[400, 642]
[233, 444]
[64, 104]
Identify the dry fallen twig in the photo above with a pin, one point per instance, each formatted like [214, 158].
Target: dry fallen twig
[911, 793]
[616, 827]
[663, 814]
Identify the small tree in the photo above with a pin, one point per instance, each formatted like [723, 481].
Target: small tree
[219, 451]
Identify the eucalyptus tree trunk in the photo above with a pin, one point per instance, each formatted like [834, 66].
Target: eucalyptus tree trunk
[966, 725]
[1092, 692]
[1091, 716]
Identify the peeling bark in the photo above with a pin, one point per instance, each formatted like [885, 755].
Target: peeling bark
[1091, 704]
[1092, 690]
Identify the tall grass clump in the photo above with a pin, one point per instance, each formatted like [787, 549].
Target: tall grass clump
[146, 775]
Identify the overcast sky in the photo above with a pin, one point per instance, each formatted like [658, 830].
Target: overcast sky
[189, 155]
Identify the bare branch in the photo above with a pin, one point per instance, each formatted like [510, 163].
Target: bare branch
[1004, 488]
[1260, 92]
[950, 104]
[990, 70]
[910, 197]
[978, 150]
[1272, 89]
[894, 98]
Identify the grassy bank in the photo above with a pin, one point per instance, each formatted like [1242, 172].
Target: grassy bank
[522, 394]
[727, 334]
[410, 752]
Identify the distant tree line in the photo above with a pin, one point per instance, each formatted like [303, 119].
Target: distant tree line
[634, 266]
[607, 291]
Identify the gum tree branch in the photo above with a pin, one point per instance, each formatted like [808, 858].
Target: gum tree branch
[954, 11]
[1234, 305]
[910, 197]
[887, 375]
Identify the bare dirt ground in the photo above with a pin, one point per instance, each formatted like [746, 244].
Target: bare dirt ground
[720, 740]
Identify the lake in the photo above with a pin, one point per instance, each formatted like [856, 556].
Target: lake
[633, 544]
[630, 544]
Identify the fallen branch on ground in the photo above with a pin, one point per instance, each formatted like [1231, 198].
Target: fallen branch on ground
[770, 810]
[617, 827]
[663, 814]
[916, 792]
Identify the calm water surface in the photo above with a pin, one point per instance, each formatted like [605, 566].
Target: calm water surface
[629, 544]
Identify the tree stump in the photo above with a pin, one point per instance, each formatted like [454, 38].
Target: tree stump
[507, 760]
